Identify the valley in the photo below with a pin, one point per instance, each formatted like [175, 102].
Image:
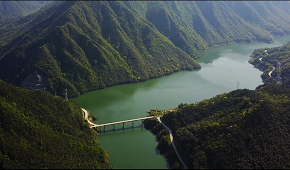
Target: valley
[221, 69]
[214, 63]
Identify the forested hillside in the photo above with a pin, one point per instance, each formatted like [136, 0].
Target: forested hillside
[83, 47]
[39, 130]
[11, 10]
[88, 45]
[265, 15]
[242, 129]
[267, 58]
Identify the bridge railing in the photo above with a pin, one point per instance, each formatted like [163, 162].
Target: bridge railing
[99, 126]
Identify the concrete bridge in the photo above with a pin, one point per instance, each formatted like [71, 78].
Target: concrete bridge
[119, 122]
[93, 125]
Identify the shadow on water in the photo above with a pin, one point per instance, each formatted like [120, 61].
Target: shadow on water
[115, 94]
[120, 129]
[138, 147]
[158, 153]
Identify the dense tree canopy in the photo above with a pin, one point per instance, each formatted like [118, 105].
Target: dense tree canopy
[241, 129]
[88, 45]
[39, 130]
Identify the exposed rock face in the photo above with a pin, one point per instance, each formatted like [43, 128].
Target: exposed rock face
[35, 81]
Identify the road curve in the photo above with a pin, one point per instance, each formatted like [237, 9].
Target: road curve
[273, 66]
[271, 72]
[86, 117]
[171, 139]
[266, 54]
[158, 118]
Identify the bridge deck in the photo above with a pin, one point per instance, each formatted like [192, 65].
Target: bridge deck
[123, 121]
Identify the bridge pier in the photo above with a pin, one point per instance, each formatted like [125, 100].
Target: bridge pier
[99, 127]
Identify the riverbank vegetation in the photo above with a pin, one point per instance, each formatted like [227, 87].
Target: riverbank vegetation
[164, 143]
[242, 129]
[88, 45]
[40, 130]
[270, 58]
[84, 46]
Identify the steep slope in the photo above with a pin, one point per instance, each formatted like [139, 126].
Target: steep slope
[243, 129]
[84, 46]
[263, 14]
[171, 23]
[228, 25]
[192, 24]
[275, 55]
[11, 10]
[21, 25]
[88, 45]
[39, 130]
[282, 5]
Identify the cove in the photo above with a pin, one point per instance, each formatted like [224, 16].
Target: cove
[221, 68]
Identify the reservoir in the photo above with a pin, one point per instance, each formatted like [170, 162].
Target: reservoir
[223, 69]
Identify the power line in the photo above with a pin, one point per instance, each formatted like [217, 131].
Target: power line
[238, 84]
[65, 95]
[279, 72]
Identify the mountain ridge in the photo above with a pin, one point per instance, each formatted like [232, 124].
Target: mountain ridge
[109, 43]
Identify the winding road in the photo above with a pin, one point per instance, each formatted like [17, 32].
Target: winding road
[266, 54]
[273, 66]
[271, 72]
[158, 118]
[86, 117]
[171, 139]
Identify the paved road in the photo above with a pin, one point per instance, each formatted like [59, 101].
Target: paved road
[112, 123]
[124, 121]
[273, 66]
[171, 139]
[158, 118]
[271, 72]
[86, 117]
[261, 57]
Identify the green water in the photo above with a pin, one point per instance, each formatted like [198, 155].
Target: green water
[135, 148]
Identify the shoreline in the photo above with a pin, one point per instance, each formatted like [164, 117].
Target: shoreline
[168, 149]
[176, 71]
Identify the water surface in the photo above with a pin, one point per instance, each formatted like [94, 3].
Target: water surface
[221, 69]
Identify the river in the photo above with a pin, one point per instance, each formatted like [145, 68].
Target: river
[221, 70]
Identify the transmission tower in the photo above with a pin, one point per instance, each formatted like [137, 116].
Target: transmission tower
[65, 95]
[279, 73]
[238, 84]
